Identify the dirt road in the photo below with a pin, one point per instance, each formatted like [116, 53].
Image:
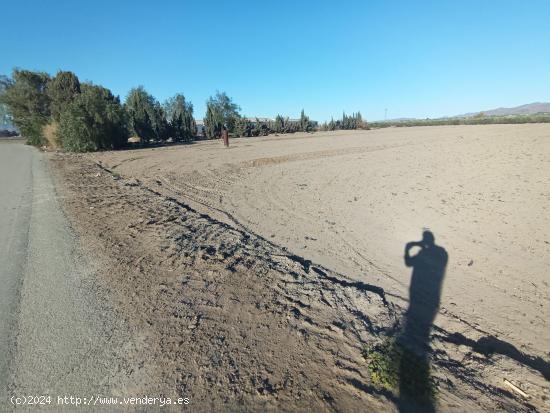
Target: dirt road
[56, 324]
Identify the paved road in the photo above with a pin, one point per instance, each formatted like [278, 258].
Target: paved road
[15, 207]
[56, 327]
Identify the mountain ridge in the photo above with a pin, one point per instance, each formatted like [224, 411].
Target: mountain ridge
[527, 109]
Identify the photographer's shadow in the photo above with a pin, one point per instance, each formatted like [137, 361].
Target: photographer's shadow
[428, 264]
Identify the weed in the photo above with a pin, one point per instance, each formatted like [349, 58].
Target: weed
[394, 367]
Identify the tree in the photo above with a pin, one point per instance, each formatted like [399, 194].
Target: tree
[279, 126]
[243, 127]
[213, 121]
[180, 115]
[355, 121]
[305, 124]
[93, 120]
[27, 102]
[143, 116]
[161, 127]
[61, 90]
[261, 128]
[223, 110]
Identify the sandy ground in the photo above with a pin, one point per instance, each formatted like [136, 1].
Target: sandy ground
[352, 200]
[345, 203]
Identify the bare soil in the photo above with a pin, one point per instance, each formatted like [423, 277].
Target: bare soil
[254, 276]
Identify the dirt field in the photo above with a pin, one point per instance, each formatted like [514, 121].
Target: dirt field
[283, 256]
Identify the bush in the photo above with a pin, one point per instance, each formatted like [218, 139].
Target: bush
[395, 367]
[93, 121]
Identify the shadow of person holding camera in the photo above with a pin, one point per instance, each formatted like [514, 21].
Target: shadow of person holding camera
[428, 262]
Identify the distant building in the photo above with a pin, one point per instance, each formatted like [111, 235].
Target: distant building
[266, 120]
[261, 120]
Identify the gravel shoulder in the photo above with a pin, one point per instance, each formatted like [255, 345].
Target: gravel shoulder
[65, 337]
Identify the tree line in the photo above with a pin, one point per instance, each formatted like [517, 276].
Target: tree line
[355, 121]
[222, 112]
[63, 112]
[474, 120]
[79, 116]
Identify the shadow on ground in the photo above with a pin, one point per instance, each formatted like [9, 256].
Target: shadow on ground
[416, 388]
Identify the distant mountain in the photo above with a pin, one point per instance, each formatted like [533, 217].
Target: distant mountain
[529, 109]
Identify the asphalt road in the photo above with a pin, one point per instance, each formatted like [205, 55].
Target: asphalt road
[58, 333]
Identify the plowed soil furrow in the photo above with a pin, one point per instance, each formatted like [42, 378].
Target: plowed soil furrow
[236, 322]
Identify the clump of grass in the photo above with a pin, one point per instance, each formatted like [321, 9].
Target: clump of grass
[394, 367]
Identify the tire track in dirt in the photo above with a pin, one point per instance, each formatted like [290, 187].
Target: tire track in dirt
[319, 154]
[232, 319]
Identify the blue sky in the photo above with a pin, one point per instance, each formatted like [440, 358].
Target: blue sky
[415, 58]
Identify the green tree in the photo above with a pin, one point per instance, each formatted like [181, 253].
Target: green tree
[360, 123]
[261, 128]
[353, 121]
[213, 121]
[179, 113]
[279, 125]
[243, 127]
[161, 127]
[222, 106]
[94, 120]
[27, 102]
[143, 116]
[305, 123]
[61, 90]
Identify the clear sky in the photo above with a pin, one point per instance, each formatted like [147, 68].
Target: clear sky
[415, 58]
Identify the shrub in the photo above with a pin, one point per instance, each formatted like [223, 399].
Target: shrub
[393, 366]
